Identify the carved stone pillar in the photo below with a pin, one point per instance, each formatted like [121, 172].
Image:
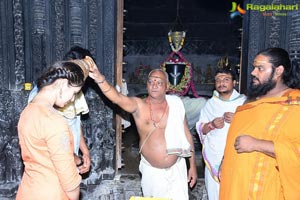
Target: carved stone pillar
[34, 34]
[277, 28]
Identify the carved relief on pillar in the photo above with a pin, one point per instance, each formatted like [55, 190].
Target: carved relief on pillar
[39, 16]
[93, 25]
[58, 23]
[255, 36]
[19, 44]
[37, 37]
[294, 37]
[274, 32]
[11, 167]
[76, 16]
[36, 33]
[100, 139]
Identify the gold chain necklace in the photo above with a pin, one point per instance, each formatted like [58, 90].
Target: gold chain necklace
[156, 123]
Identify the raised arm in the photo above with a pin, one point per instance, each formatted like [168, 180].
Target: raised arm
[129, 104]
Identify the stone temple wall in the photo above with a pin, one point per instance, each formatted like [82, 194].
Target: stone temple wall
[33, 35]
[270, 28]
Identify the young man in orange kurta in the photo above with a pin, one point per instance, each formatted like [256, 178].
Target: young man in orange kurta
[262, 154]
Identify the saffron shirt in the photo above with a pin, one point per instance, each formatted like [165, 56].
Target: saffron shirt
[256, 175]
[47, 151]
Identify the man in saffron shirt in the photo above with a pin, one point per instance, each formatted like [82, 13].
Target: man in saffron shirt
[262, 153]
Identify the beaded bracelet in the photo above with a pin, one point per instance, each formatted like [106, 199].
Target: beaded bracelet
[100, 82]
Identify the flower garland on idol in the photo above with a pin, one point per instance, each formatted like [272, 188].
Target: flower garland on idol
[176, 49]
[182, 88]
[186, 82]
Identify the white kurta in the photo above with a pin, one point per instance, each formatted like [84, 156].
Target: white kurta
[213, 143]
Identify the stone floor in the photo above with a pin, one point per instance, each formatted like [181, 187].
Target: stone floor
[122, 188]
[127, 180]
[126, 186]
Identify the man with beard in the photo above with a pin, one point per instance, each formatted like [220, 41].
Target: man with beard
[262, 153]
[213, 124]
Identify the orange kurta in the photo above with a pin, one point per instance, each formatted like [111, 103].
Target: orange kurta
[255, 175]
[47, 152]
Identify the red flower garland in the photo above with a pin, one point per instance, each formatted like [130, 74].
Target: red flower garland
[186, 82]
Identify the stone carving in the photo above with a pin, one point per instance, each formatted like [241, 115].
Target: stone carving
[92, 13]
[4, 140]
[11, 167]
[294, 37]
[58, 23]
[46, 38]
[76, 19]
[19, 42]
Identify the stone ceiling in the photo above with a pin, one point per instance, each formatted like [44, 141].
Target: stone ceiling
[203, 20]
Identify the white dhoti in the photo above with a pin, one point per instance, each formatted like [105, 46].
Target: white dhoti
[212, 187]
[164, 183]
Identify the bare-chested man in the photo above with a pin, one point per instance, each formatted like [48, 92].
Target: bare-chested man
[165, 138]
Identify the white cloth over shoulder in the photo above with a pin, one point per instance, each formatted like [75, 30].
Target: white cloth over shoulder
[79, 106]
[176, 140]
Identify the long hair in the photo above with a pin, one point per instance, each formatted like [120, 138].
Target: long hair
[62, 70]
[291, 73]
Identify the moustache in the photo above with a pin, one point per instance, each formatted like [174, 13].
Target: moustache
[254, 78]
[222, 86]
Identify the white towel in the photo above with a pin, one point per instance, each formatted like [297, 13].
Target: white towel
[176, 140]
[79, 106]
